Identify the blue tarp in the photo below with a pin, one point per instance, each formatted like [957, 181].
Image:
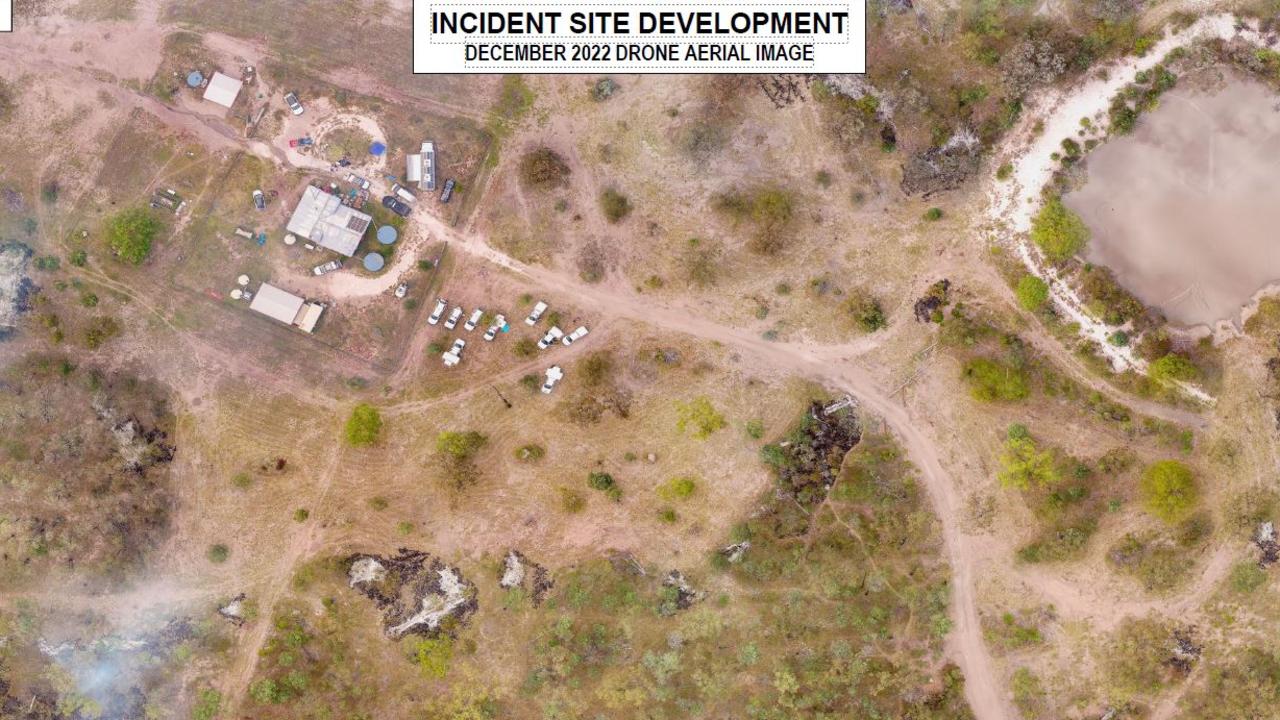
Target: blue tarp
[377, 148]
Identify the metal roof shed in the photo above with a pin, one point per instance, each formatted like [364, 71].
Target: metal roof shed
[276, 303]
[222, 89]
[324, 220]
[413, 169]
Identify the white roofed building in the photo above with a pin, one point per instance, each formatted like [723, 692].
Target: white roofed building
[286, 307]
[427, 163]
[223, 90]
[322, 218]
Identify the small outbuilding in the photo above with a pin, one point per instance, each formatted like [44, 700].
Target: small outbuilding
[286, 307]
[223, 90]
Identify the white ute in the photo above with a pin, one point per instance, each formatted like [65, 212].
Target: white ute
[576, 335]
[538, 309]
[498, 323]
[454, 316]
[554, 373]
[473, 320]
[453, 355]
[438, 313]
[549, 339]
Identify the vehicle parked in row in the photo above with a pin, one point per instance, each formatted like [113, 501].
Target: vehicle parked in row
[438, 312]
[536, 315]
[498, 323]
[473, 320]
[453, 355]
[295, 106]
[326, 267]
[448, 190]
[549, 339]
[576, 335]
[454, 317]
[400, 208]
[554, 374]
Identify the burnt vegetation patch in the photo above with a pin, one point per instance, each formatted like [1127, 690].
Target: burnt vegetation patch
[418, 594]
[84, 468]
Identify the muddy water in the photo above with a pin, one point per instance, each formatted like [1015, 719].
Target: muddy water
[1187, 209]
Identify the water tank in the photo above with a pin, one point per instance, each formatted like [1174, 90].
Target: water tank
[387, 235]
[373, 262]
[194, 79]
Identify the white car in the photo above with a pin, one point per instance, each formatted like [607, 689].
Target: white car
[295, 107]
[498, 323]
[401, 290]
[453, 355]
[554, 374]
[326, 267]
[576, 335]
[534, 316]
[438, 312]
[454, 317]
[552, 335]
[473, 320]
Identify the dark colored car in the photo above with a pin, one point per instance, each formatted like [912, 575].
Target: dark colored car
[391, 203]
[448, 191]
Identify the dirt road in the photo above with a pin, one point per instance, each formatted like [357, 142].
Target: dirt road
[964, 644]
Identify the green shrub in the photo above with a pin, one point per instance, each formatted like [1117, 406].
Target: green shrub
[364, 425]
[218, 553]
[605, 483]
[378, 503]
[130, 234]
[432, 655]
[700, 416]
[933, 214]
[678, 488]
[755, 429]
[1169, 490]
[1173, 367]
[1032, 293]
[208, 705]
[460, 445]
[1004, 172]
[1058, 232]
[990, 381]
[1023, 463]
[865, 310]
[301, 515]
[524, 348]
[615, 205]
[242, 480]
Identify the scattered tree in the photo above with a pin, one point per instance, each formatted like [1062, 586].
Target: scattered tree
[1169, 490]
[1032, 293]
[130, 233]
[364, 425]
[1058, 232]
[615, 205]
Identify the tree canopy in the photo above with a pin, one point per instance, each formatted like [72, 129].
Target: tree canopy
[1058, 232]
[1169, 490]
[130, 232]
[364, 425]
[1032, 293]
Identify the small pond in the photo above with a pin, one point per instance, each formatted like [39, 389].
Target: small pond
[1186, 210]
